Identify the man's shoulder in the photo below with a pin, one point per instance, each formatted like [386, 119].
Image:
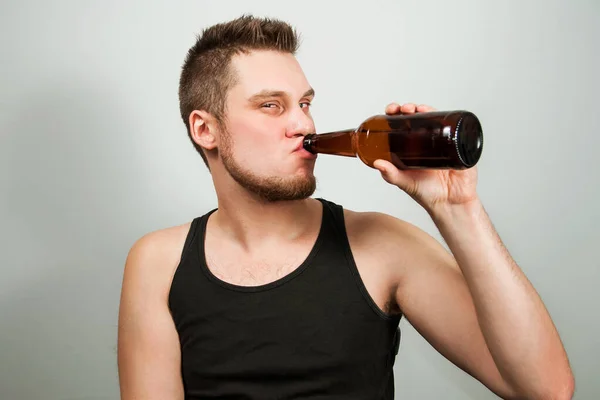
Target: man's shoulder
[376, 225]
[157, 252]
[161, 241]
[393, 244]
[384, 233]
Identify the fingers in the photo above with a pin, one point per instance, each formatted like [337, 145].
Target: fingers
[388, 171]
[392, 108]
[408, 108]
[424, 108]
[394, 176]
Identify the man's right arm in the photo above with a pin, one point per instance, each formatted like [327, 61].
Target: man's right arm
[148, 345]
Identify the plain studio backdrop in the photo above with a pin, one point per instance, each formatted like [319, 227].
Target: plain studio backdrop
[93, 154]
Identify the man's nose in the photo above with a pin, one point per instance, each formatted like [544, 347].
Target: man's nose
[300, 124]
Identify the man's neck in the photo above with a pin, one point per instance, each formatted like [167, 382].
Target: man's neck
[251, 221]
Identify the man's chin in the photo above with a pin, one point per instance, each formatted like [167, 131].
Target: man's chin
[298, 191]
[297, 185]
[285, 189]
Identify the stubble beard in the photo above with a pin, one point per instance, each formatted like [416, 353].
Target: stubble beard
[271, 188]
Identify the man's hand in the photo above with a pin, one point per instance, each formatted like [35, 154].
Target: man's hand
[430, 188]
[477, 307]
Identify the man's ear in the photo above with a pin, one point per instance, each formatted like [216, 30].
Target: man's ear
[203, 129]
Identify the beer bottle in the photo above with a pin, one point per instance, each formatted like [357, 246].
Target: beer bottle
[436, 140]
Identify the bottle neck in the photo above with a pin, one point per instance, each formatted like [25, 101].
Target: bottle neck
[339, 143]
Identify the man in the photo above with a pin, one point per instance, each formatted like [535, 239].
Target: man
[277, 295]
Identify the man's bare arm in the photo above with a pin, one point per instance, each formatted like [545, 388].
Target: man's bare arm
[148, 345]
[480, 288]
[517, 328]
[478, 309]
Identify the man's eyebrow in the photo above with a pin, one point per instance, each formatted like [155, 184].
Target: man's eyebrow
[266, 93]
[276, 93]
[310, 92]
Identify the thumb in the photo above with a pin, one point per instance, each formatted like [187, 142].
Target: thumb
[392, 174]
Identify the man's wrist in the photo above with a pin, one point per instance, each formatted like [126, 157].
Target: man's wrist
[444, 214]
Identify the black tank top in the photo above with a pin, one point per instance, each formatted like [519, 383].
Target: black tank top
[314, 334]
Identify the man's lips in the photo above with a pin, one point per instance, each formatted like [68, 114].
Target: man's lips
[300, 144]
[302, 151]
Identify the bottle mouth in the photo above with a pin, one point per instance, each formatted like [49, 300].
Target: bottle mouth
[308, 142]
[469, 140]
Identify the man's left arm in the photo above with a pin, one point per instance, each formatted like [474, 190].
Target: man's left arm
[508, 338]
[517, 328]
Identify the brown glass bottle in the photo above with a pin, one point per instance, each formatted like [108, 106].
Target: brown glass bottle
[436, 140]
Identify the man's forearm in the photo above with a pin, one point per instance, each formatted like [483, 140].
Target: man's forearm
[517, 328]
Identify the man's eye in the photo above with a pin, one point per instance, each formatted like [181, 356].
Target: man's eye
[269, 105]
[306, 104]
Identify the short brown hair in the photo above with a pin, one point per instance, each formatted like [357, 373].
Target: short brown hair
[206, 75]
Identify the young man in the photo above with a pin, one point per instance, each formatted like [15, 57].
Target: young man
[277, 295]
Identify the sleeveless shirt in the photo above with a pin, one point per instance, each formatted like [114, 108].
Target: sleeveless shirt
[313, 334]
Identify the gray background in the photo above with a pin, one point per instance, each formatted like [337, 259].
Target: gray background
[93, 155]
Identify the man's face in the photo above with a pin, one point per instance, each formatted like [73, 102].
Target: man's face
[267, 117]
